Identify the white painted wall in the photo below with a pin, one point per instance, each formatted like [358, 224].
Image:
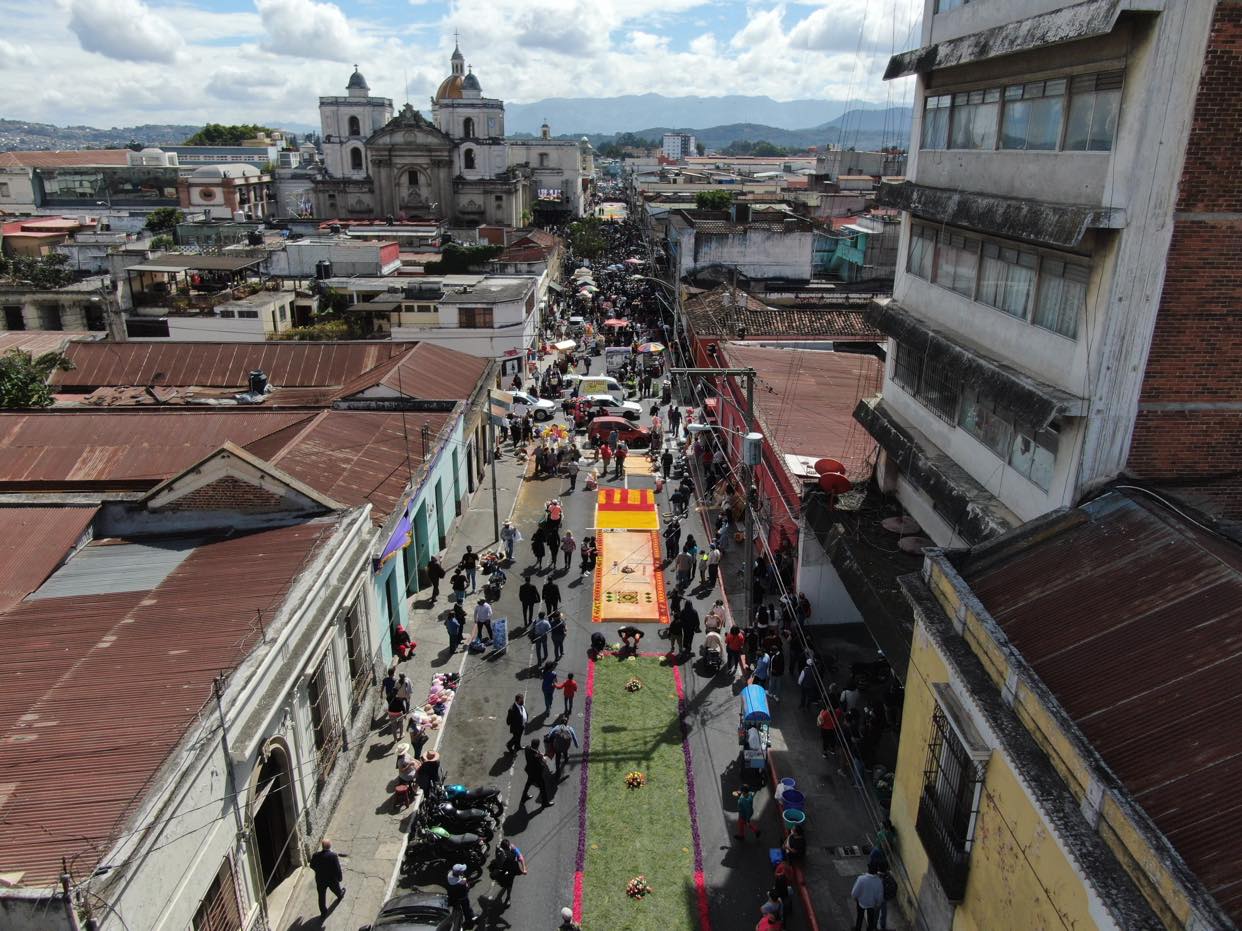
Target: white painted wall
[819, 581]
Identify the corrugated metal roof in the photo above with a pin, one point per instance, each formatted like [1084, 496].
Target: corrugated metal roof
[115, 447]
[805, 399]
[1133, 619]
[116, 566]
[74, 158]
[714, 314]
[96, 691]
[221, 365]
[359, 456]
[37, 342]
[33, 542]
[427, 372]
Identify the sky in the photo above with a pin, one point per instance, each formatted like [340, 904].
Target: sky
[127, 62]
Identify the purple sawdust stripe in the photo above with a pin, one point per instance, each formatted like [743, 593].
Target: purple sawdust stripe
[583, 781]
[700, 881]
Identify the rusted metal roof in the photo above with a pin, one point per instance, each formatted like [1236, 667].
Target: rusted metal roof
[715, 313]
[96, 691]
[1133, 618]
[427, 372]
[805, 401]
[37, 342]
[221, 365]
[359, 456]
[33, 542]
[121, 448]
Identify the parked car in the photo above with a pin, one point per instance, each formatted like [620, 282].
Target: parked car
[539, 408]
[416, 911]
[605, 405]
[635, 437]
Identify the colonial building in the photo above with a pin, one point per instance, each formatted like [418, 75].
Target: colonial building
[458, 165]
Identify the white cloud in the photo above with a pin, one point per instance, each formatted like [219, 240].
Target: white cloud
[307, 29]
[126, 30]
[13, 55]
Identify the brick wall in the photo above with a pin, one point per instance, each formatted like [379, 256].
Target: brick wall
[227, 494]
[1196, 352]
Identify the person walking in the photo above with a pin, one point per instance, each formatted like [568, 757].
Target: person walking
[483, 619]
[735, 641]
[588, 555]
[776, 670]
[690, 625]
[567, 921]
[507, 866]
[806, 684]
[674, 421]
[560, 737]
[568, 546]
[557, 633]
[684, 565]
[326, 865]
[571, 470]
[551, 595]
[538, 549]
[548, 686]
[459, 894]
[435, 572]
[570, 688]
[510, 536]
[868, 896]
[458, 585]
[672, 538]
[619, 459]
[713, 566]
[539, 634]
[453, 626]
[528, 595]
[470, 565]
[515, 720]
[746, 813]
[536, 775]
[605, 455]
[674, 631]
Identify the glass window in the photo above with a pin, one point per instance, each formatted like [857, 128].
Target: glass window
[957, 260]
[974, 119]
[1034, 454]
[985, 421]
[355, 159]
[922, 250]
[906, 368]
[936, 122]
[1007, 279]
[1062, 296]
[1095, 100]
[1032, 118]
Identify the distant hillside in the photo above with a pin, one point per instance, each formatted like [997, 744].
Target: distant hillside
[860, 129]
[21, 134]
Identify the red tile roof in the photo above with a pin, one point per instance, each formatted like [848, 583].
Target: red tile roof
[805, 401]
[37, 342]
[96, 691]
[33, 542]
[71, 159]
[1133, 618]
[223, 365]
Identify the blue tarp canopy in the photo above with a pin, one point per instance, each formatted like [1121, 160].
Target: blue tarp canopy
[755, 705]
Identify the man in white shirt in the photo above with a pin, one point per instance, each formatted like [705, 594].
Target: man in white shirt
[868, 896]
[482, 619]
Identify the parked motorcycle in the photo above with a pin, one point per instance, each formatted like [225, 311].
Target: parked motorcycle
[431, 844]
[457, 820]
[484, 797]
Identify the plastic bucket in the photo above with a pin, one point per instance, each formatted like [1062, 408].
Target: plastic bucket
[793, 818]
[793, 800]
[785, 785]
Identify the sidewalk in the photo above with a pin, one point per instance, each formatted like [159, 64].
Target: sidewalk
[365, 825]
[839, 827]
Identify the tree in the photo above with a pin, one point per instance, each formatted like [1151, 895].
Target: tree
[459, 260]
[713, 200]
[220, 134]
[45, 272]
[164, 220]
[23, 378]
[161, 243]
[700, 148]
[586, 239]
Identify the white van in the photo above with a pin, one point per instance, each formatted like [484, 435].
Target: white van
[575, 385]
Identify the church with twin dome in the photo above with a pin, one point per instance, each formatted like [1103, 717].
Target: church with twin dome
[458, 166]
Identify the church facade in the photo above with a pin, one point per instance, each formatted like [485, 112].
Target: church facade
[458, 166]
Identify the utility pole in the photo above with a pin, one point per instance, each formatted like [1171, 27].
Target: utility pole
[67, 896]
[491, 431]
[748, 414]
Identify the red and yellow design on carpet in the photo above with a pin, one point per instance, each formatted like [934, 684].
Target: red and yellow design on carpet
[629, 583]
[626, 509]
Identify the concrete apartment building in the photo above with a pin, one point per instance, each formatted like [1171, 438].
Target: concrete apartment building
[678, 146]
[1064, 156]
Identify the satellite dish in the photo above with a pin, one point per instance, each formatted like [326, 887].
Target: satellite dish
[824, 466]
[835, 483]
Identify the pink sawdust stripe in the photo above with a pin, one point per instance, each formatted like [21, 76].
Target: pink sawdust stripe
[700, 880]
[583, 781]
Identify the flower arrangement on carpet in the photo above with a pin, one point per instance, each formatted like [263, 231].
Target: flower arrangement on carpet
[634, 684]
[638, 887]
[635, 780]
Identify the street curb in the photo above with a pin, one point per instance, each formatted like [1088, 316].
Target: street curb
[799, 877]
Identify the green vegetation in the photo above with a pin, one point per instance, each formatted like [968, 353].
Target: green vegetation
[633, 832]
[762, 149]
[44, 272]
[713, 200]
[317, 332]
[586, 239]
[615, 148]
[164, 220]
[459, 260]
[221, 134]
[23, 378]
[162, 243]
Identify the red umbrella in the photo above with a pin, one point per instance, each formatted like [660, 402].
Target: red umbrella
[613, 321]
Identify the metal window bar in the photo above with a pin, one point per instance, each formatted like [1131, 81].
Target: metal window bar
[948, 806]
[940, 389]
[328, 736]
[361, 671]
[220, 909]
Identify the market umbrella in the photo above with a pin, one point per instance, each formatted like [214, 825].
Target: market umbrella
[651, 347]
[634, 261]
[614, 322]
[591, 288]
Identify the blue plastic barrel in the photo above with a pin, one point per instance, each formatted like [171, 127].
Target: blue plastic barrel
[793, 800]
[793, 817]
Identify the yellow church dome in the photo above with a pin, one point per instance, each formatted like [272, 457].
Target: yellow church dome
[450, 88]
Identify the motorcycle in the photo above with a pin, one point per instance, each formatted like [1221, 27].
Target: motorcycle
[484, 797]
[430, 844]
[463, 820]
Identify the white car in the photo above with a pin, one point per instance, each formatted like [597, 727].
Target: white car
[538, 408]
[607, 406]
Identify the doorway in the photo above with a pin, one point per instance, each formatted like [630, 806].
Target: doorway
[274, 821]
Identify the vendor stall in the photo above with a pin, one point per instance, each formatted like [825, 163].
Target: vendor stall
[753, 735]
